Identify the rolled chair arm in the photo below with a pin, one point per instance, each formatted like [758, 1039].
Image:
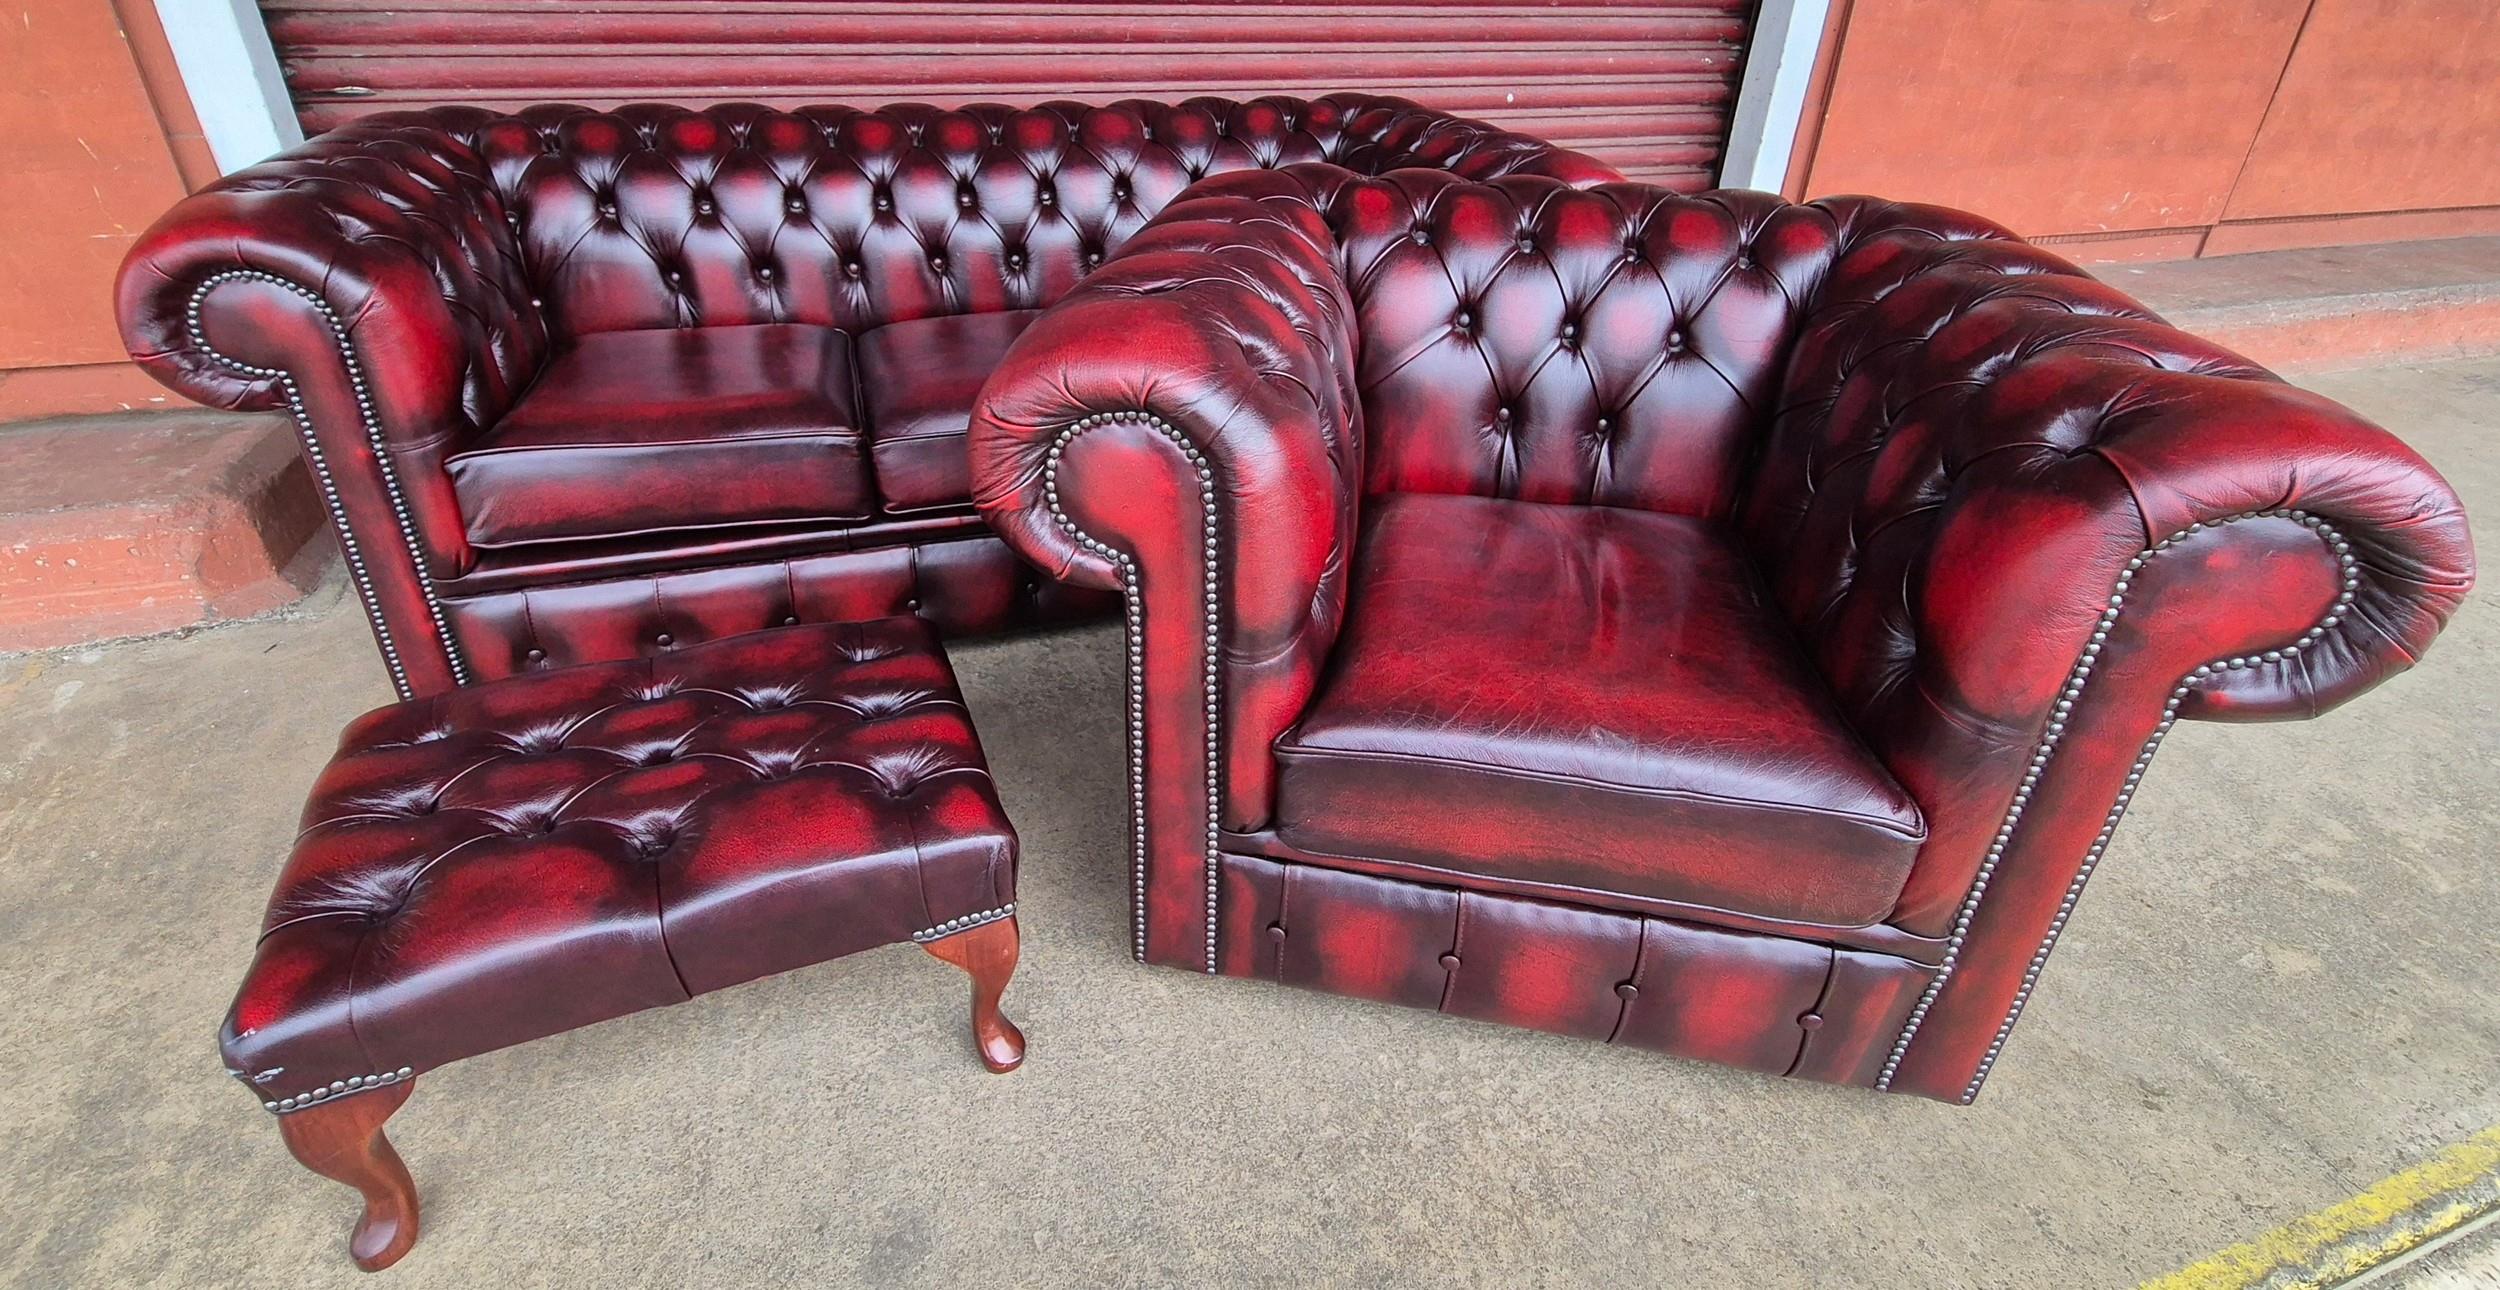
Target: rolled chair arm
[1183, 428]
[367, 283]
[2024, 526]
[1402, 133]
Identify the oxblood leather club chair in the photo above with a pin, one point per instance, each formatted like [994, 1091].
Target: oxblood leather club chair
[580, 386]
[1711, 624]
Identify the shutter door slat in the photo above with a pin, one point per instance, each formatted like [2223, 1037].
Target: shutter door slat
[1645, 86]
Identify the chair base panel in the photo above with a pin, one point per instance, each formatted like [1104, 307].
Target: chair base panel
[1774, 1004]
[1878, 938]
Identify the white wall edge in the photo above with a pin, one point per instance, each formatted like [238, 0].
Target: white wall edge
[231, 72]
[1762, 136]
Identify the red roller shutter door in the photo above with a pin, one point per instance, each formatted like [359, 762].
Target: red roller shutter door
[1646, 86]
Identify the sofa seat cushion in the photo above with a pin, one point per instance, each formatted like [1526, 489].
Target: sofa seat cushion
[638, 432]
[1592, 704]
[918, 380]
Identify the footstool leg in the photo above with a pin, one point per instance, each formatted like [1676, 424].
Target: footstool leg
[342, 1140]
[988, 953]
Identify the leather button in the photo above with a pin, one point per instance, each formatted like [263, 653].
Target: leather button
[1449, 962]
[1571, 331]
[1423, 237]
[608, 209]
[964, 198]
[703, 208]
[796, 205]
[1047, 198]
[1810, 1021]
[664, 639]
[1093, 257]
[1119, 192]
[1501, 414]
[536, 656]
[1605, 424]
[912, 604]
[1463, 321]
[675, 276]
[1527, 246]
[937, 264]
[1675, 340]
[790, 620]
[1015, 262]
[1276, 931]
[1627, 991]
[764, 271]
[850, 268]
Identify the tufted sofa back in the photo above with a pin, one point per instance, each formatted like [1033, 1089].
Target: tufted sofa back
[659, 216]
[469, 242]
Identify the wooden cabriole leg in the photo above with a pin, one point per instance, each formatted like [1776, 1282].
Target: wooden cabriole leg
[342, 1139]
[988, 953]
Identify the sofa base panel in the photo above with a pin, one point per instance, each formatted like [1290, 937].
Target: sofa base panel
[966, 587]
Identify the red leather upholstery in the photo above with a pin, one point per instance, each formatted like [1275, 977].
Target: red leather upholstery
[1633, 726]
[632, 433]
[919, 379]
[1236, 334]
[2015, 525]
[1767, 1003]
[401, 283]
[950, 574]
[1621, 349]
[512, 860]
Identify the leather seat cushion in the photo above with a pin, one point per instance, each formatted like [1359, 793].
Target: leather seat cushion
[638, 432]
[513, 859]
[1596, 704]
[918, 380]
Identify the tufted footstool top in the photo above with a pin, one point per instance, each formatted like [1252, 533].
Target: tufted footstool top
[524, 857]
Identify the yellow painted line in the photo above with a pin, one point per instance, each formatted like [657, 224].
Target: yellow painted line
[2343, 1241]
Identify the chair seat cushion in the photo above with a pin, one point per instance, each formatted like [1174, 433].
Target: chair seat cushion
[918, 380]
[638, 432]
[1594, 704]
[519, 858]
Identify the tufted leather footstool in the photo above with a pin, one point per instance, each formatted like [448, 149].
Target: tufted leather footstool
[505, 862]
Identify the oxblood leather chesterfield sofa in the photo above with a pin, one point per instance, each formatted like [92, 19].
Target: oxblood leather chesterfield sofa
[580, 386]
[1704, 623]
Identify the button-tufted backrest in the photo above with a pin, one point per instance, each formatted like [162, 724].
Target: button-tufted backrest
[1619, 345]
[652, 215]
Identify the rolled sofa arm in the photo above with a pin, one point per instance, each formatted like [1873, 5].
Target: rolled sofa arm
[369, 284]
[2024, 526]
[1183, 427]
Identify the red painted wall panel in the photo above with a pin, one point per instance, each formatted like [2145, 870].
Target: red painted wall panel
[86, 167]
[2053, 118]
[2387, 105]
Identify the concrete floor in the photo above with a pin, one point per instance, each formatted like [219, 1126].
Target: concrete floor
[2278, 991]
